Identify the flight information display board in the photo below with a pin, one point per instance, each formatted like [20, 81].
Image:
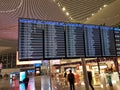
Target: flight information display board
[117, 40]
[92, 41]
[74, 40]
[107, 41]
[54, 40]
[30, 39]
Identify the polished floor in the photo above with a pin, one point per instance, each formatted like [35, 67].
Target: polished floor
[46, 83]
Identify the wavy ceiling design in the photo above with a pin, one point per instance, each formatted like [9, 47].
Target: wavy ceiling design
[11, 10]
[109, 16]
[80, 10]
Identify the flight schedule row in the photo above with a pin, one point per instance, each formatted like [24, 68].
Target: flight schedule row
[50, 39]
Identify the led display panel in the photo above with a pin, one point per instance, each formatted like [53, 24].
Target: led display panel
[30, 39]
[54, 40]
[92, 41]
[117, 40]
[107, 41]
[74, 40]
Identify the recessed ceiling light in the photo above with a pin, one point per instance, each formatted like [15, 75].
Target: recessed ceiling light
[63, 8]
[105, 5]
[92, 14]
[70, 17]
[67, 13]
[58, 4]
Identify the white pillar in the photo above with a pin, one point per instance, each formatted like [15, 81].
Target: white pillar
[85, 74]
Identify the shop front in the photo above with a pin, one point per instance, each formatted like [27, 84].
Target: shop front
[101, 69]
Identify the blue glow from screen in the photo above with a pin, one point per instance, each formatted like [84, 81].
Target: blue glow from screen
[37, 65]
[91, 26]
[29, 71]
[106, 28]
[21, 86]
[118, 29]
[54, 23]
[74, 24]
[30, 21]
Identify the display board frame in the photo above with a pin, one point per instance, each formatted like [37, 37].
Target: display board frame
[64, 38]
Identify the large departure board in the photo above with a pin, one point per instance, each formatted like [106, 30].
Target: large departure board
[30, 39]
[92, 41]
[74, 40]
[107, 41]
[117, 40]
[54, 39]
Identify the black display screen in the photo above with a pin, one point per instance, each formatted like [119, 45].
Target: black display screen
[30, 39]
[54, 40]
[117, 40]
[107, 41]
[74, 40]
[92, 41]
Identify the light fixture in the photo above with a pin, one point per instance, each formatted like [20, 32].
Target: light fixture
[58, 4]
[71, 18]
[63, 8]
[92, 14]
[105, 5]
[67, 13]
[100, 8]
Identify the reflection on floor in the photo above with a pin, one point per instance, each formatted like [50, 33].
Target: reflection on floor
[46, 83]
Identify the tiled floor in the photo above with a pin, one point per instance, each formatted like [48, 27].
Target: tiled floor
[45, 83]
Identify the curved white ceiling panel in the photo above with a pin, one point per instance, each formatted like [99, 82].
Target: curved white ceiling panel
[11, 10]
[80, 10]
[109, 15]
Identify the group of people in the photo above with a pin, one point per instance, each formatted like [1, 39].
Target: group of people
[71, 79]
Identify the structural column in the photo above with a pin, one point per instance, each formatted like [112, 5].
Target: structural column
[85, 74]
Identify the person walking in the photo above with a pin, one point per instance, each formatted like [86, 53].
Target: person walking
[71, 79]
[90, 79]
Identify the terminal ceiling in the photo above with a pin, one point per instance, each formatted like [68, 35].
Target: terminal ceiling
[10, 10]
